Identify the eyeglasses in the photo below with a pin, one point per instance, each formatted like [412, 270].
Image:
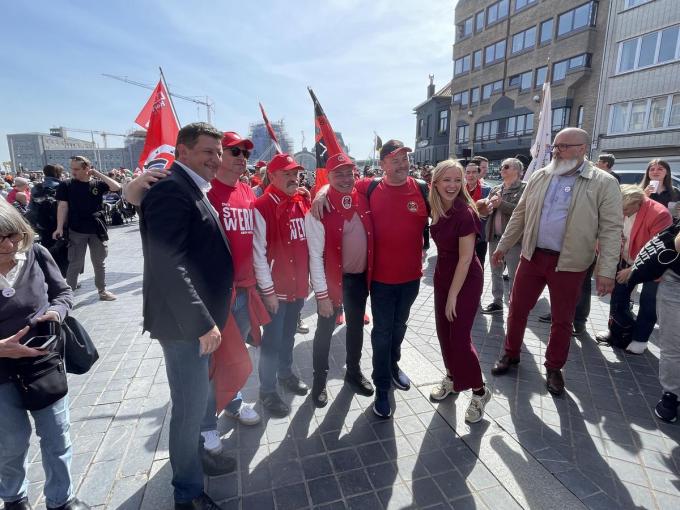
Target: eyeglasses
[564, 146]
[237, 151]
[13, 238]
[505, 167]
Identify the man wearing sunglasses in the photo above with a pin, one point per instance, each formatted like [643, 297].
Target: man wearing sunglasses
[567, 209]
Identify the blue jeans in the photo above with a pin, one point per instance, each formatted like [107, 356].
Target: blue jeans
[619, 304]
[278, 339]
[391, 305]
[52, 426]
[189, 387]
[239, 309]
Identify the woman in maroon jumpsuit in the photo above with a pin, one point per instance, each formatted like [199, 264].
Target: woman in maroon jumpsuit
[458, 281]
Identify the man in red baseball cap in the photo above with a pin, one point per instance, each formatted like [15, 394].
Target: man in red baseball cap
[282, 272]
[340, 264]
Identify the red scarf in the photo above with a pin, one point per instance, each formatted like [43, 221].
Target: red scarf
[345, 204]
[476, 194]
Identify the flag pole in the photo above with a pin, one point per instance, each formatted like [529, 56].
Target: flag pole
[167, 89]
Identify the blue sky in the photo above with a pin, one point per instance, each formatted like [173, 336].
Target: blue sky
[367, 61]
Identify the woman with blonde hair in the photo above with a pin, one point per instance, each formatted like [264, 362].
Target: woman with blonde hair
[458, 282]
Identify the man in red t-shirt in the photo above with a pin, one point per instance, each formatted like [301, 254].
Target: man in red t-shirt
[400, 217]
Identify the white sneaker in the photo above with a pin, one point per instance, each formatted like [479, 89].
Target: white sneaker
[247, 415]
[443, 389]
[475, 410]
[636, 347]
[212, 442]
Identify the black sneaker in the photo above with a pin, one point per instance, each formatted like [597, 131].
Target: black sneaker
[294, 384]
[381, 406]
[492, 309]
[400, 379]
[217, 465]
[319, 394]
[19, 504]
[203, 502]
[578, 328]
[273, 403]
[359, 383]
[302, 327]
[547, 318]
[667, 408]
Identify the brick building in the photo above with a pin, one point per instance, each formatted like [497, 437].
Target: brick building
[503, 53]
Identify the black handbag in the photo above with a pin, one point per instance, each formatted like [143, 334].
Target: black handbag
[656, 257]
[78, 349]
[40, 381]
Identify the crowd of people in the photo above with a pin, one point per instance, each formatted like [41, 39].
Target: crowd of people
[229, 258]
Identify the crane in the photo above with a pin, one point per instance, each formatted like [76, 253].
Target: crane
[61, 131]
[208, 103]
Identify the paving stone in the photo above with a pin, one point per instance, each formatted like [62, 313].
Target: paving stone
[324, 490]
[291, 497]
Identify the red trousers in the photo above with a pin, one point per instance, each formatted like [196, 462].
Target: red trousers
[565, 289]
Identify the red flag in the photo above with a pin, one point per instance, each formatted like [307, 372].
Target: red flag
[270, 130]
[326, 145]
[162, 128]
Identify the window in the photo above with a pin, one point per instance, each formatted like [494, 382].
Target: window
[633, 3]
[497, 11]
[523, 80]
[505, 128]
[479, 21]
[560, 69]
[474, 95]
[427, 126]
[464, 98]
[577, 18]
[579, 117]
[560, 118]
[443, 121]
[541, 76]
[546, 32]
[494, 53]
[521, 4]
[491, 88]
[463, 134]
[645, 114]
[477, 59]
[524, 40]
[465, 28]
[650, 49]
[456, 98]
[462, 65]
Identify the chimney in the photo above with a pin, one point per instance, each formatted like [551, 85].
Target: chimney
[430, 87]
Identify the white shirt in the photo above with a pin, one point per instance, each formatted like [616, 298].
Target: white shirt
[203, 185]
[11, 278]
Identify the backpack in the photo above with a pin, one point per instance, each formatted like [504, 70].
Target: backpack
[42, 211]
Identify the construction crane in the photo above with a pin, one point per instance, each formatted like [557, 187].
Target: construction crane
[208, 103]
[62, 131]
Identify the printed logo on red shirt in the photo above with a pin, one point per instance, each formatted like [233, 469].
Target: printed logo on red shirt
[297, 229]
[347, 202]
[412, 206]
[237, 220]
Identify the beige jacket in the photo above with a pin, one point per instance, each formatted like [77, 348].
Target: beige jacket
[595, 216]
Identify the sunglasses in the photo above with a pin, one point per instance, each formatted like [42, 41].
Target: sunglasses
[237, 151]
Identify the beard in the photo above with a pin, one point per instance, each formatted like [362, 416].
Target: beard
[562, 166]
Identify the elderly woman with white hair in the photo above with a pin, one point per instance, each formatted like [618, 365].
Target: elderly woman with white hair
[20, 194]
[503, 199]
[643, 218]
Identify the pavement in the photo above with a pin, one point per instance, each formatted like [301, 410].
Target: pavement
[599, 446]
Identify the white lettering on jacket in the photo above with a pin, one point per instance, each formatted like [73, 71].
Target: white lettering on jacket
[297, 229]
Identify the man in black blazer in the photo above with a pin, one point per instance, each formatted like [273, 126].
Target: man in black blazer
[188, 275]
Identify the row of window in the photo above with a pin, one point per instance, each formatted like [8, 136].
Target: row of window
[645, 114]
[517, 125]
[570, 21]
[424, 126]
[634, 3]
[649, 49]
[492, 14]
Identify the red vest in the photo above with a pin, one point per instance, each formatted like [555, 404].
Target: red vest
[287, 253]
[333, 223]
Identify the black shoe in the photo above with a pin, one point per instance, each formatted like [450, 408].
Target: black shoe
[359, 383]
[492, 309]
[273, 403]
[503, 365]
[604, 337]
[217, 464]
[319, 393]
[73, 504]
[302, 328]
[667, 408]
[555, 382]
[381, 406]
[20, 504]
[203, 502]
[400, 379]
[506, 277]
[547, 318]
[294, 384]
[578, 328]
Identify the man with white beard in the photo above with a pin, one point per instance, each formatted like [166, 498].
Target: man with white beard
[567, 209]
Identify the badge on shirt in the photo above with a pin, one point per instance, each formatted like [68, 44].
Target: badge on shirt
[412, 206]
[567, 189]
[347, 202]
[8, 292]
[95, 191]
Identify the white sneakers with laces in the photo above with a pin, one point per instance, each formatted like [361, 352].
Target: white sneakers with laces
[475, 411]
[212, 442]
[443, 389]
[247, 415]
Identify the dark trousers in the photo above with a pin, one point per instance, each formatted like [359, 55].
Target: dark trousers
[646, 317]
[583, 305]
[480, 249]
[391, 305]
[565, 289]
[354, 295]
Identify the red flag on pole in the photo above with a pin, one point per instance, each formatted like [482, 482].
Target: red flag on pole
[326, 145]
[159, 118]
[270, 130]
